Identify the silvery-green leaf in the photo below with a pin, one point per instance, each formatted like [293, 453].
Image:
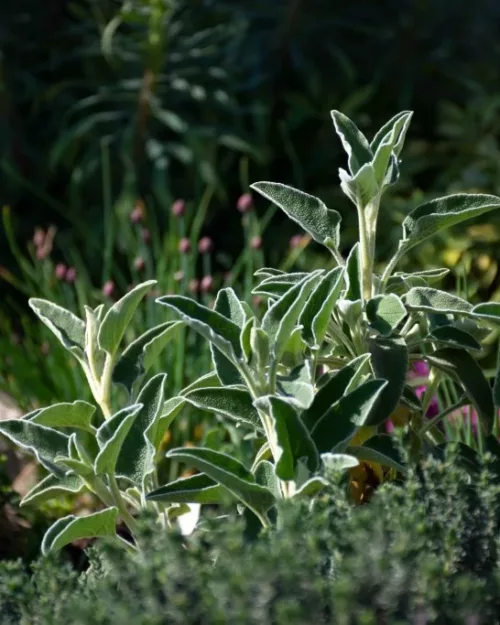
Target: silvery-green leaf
[246, 331]
[404, 116]
[361, 188]
[68, 328]
[111, 436]
[384, 146]
[94, 354]
[455, 337]
[429, 218]
[335, 428]
[333, 390]
[389, 362]
[410, 398]
[70, 528]
[429, 275]
[496, 385]
[265, 475]
[232, 403]
[53, 486]
[279, 285]
[462, 367]
[353, 140]
[69, 415]
[228, 305]
[435, 301]
[142, 353]
[322, 223]
[138, 451]
[78, 467]
[205, 381]
[267, 272]
[118, 317]
[350, 310]
[488, 311]
[281, 318]
[194, 489]
[338, 462]
[45, 443]
[171, 408]
[292, 437]
[229, 473]
[353, 275]
[293, 352]
[213, 326]
[385, 313]
[311, 488]
[380, 449]
[298, 385]
[319, 307]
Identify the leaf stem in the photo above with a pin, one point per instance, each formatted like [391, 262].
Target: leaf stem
[127, 518]
[106, 385]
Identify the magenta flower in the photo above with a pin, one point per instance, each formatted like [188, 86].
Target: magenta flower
[60, 271]
[296, 241]
[70, 275]
[184, 246]
[206, 284]
[137, 215]
[39, 237]
[139, 264]
[256, 243]
[108, 288]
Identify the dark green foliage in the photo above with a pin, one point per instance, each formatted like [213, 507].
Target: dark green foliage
[423, 553]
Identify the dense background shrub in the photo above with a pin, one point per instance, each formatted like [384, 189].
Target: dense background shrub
[423, 553]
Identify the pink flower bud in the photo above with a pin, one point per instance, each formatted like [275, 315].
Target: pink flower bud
[146, 236]
[257, 300]
[205, 245]
[184, 246]
[207, 283]
[108, 288]
[39, 237]
[70, 274]
[179, 276]
[297, 241]
[139, 263]
[42, 252]
[179, 208]
[60, 271]
[137, 215]
[194, 285]
[245, 203]
[256, 243]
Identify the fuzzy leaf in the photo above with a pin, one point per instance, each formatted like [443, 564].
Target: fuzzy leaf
[209, 380]
[219, 330]
[292, 437]
[435, 301]
[229, 473]
[233, 403]
[319, 307]
[311, 488]
[171, 408]
[380, 449]
[110, 437]
[298, 385]
[52, 486]
[70, 415]
[429, 218]
[266, 476]
[385, 313]
[336, 427]
[142, 353]
[361, 188]
[338, 462]
[489, 311]
[67, 327]
[455, 337]
[137, 454]
[70, 528]
[392, 142]
[322, 223]
[228, 305]
[118, 317]
[45, 443]
[353, 140]
[193, 489]
[461, 366]
[281, 318]
[333, 390]
[354, 281]
[389, 362]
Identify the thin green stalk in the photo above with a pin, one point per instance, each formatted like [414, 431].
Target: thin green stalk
[107, 372]
[365, 255]
[127, 518]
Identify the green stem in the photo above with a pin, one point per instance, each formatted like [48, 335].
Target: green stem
[430, 424]
[127, 518]
[365, 255]
[106, 385]
[390, 267]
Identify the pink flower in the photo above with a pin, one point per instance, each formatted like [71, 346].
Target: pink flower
[70, 274]
[108, 288]
[139, 263]
[245, 203]
[205, 245]
[137, 215]
[39, 237]
[256, 243]
[184, 246]
[296, 241]
[178, 208]
[60, 271]
[207, 283]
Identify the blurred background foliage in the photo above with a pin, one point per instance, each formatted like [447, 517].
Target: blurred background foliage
[113, 111]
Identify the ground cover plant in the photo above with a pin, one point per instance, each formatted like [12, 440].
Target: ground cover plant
[310, 385]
